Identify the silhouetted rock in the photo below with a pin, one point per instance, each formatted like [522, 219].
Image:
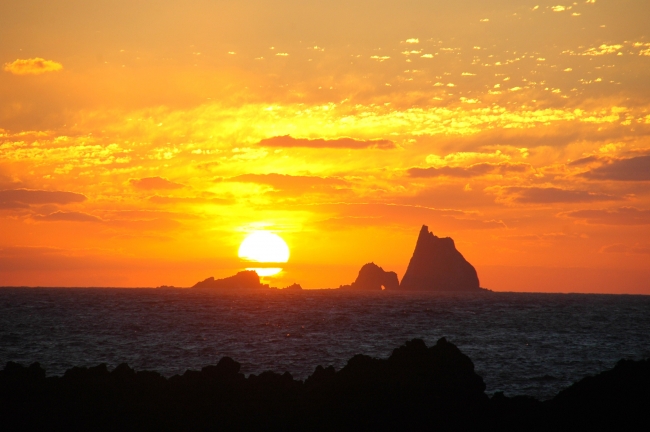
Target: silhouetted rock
[293, 287]
[417, 388]
[611, 400]
[436, 265]
[247, 279]
[372, 277]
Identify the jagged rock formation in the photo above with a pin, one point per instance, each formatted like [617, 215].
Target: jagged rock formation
[372, 277]
[418, 388]
[247, 279]
[437, 265]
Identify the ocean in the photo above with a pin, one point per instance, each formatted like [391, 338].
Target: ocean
[520, 343]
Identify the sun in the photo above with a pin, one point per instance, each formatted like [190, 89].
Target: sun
[264, 247]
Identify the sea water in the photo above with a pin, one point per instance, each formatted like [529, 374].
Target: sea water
[520, 343]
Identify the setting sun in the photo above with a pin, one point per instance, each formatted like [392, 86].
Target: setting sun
[264, 247]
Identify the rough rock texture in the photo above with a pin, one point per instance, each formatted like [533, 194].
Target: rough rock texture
[418, 388]
[372, 277]
[247, 279]
[436, 265]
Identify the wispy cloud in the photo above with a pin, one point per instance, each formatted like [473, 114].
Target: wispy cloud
[347, 143]
[294, 184]
[157, 199]
[68, 217]
[621, 248]
[549, 195]
[618, 216]
[470, 171]
[16, 198]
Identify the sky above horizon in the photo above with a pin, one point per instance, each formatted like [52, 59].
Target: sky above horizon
[141, 141]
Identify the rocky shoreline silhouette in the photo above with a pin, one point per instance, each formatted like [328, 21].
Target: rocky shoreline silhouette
[416, 388]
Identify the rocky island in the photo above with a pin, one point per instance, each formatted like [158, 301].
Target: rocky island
[436, 265]
[373, 278]
[243, 281]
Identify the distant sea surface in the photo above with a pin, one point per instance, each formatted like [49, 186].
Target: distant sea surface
[520, 343]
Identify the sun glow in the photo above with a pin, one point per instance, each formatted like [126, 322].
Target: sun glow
[264, 247]
[265, 271]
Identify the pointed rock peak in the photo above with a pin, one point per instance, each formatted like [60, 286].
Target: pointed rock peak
[436, 265]
[424, 233]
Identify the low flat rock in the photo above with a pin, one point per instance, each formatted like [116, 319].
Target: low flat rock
[373, 278]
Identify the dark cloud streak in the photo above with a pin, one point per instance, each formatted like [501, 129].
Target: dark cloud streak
[150, 183]
[550, 195]
[631, 169]
[23, 198]
[68, 217]
[619, 216]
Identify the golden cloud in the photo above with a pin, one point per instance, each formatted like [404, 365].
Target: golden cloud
[33, 66]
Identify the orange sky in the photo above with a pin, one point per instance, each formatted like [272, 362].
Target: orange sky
[141, 140]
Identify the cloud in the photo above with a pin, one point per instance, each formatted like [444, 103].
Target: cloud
[548, 195]
[630, 169]
[470, 171]
[344, 215]
[33, 66]
[68, 217]
[347, 143]
[22, 198]
[465, 158]
[619, 216]
[147, 225]
[584, 161]
[625, 249]
[157, 199]
[295, 184]
[117, 215]
[6, 205]
[149, 183]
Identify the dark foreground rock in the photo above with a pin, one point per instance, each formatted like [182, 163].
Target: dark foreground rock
[415, 389]
[372, 278]
[436, 265]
